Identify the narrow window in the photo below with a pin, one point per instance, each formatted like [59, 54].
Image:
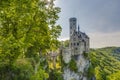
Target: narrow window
[74, 44]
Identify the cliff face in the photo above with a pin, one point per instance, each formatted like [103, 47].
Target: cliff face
[76, 67]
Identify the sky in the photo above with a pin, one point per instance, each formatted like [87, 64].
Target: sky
[99, 19]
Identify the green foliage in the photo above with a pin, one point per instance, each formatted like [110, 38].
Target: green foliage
[72, 65]
[27, 25]
[86, 55]
[40, 75]
[105, 63]
[55, 75]
[65, 43]
[27, 31]
[99, 74]
[20, 70]
[90, 71]
[114, 76]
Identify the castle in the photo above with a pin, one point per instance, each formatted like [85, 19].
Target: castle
[78, 48]
[79, 41]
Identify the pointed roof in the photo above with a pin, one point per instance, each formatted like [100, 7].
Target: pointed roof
[78, 28]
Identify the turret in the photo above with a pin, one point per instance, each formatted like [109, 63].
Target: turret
[72, 22]
[78, 28]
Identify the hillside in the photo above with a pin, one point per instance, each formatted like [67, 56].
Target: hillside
[106, 63]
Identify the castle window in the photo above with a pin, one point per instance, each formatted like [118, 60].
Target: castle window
[76, 48]
[78, 44]
[74, 44]
[83, 41]
[74, 39]
[71, 44]
[70, 27]
[74, 20]
[79, 36]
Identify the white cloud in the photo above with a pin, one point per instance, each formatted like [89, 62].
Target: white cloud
[98, 40]
[63, 38]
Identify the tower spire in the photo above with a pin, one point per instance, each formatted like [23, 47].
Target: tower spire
[78, 28]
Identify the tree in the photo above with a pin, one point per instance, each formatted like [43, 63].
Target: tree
[27, 29]
[114, 76]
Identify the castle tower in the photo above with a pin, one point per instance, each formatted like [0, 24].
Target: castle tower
[72, 24]
[79, 41]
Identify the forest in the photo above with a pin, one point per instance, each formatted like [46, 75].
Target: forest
[29, 34]
[106, 63]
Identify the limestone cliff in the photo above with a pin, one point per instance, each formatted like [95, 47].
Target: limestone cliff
[76, 66]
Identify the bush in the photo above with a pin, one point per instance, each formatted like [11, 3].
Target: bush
[20, 70]
[90, 71]
[73, 65]
[55, 75]
[85, 54]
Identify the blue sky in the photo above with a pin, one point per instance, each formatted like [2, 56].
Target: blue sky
[100, 19]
